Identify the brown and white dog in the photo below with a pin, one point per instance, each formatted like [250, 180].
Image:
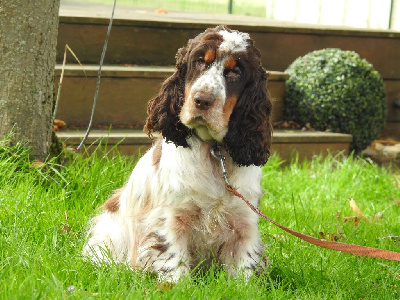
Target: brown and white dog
[174, 212]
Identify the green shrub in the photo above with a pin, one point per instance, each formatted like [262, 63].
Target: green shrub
[337, 91]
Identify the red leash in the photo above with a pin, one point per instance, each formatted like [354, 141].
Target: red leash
[337, 246]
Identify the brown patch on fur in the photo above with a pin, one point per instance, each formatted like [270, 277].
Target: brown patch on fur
[228, 108]
[238, 232]
[160, 222]
[153, 235]
[157, 152]
[209, 56]
[159, 242]
[112, 204]
[185, 219]
[161, 247]
[230, 63]
[134, 255]
[220, 250]
[240, 226]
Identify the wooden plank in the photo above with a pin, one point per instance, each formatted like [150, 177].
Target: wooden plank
[135, 71]
[391, 130]
[133, 137]
[309, 137]
[288, 152]
[124, 93]
[115, 71]
[392, 88]
[155, 42]
[140, 36]
[97, 13]
[286, 143]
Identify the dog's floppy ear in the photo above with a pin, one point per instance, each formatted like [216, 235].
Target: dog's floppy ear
[163, 110]
[248, 139]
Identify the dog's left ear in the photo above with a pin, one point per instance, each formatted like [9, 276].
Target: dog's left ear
[248, 139]
[163, 110]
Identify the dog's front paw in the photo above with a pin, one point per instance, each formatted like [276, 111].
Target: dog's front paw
[172, 275]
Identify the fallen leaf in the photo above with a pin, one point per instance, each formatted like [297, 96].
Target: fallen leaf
[379, 215]
[353, 219]
[160, 11]
[389, 142]
[57, 124]
[307, 127]
[334, 237]
[329, 236]
[64, 228]
[394, 238]
[165, 286]
[286, 125]
[38, 164]
[354, 207]
[340, 233]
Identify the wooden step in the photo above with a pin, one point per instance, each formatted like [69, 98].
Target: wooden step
[124, 93]
[142, 37]
[285, 142]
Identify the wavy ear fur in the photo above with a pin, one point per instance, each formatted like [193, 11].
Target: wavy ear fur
[248, 140]
[163, 110]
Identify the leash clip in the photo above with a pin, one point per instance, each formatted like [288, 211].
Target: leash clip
[216, 153]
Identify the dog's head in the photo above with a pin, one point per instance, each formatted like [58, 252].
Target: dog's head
[217, 92]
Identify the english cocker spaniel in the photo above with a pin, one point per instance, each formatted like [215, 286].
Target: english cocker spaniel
[174, 212]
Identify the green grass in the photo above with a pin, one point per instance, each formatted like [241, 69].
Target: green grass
[240, 7]
[43, 214]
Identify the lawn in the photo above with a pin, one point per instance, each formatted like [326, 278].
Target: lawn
[44, 210]
[239, 7]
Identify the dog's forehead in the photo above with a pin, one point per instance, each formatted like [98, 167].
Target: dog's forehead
[233, 41]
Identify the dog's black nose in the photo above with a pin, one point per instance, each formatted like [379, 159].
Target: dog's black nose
[203, 100]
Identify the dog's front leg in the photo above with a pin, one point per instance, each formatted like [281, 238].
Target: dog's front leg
[243, 252]
[164, 250]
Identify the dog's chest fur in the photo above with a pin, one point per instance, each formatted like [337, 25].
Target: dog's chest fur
[198, 208]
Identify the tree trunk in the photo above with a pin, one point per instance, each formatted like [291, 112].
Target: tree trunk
[28, 37]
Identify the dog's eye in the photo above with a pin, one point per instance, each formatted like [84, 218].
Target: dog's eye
[233, 73]
[200, 62]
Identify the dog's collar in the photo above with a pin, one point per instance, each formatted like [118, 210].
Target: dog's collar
[217, 154]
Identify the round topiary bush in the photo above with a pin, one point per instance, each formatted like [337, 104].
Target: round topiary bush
[337, 91]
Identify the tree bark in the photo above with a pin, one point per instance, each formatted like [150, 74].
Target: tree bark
[28, 38]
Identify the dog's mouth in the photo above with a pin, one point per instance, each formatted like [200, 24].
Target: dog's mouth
[197, 121]
[204, 130]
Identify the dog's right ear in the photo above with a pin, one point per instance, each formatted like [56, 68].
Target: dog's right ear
[163, 110]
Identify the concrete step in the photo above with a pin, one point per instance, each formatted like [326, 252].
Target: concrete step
[285, 142]
[124, 93]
